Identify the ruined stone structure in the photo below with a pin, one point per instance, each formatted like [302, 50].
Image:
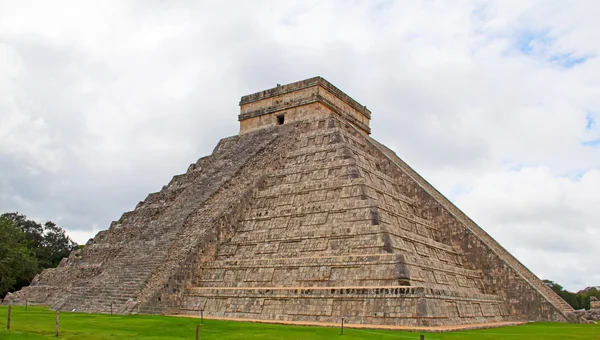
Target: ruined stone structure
[301, 217]
[594, 304]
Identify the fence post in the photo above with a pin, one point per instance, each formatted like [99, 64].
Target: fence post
[422, 337]
[198, 332]
[111, 308]
[342, 326]
[8, 320]
[56, 325]
[202, 316]
[26, 303]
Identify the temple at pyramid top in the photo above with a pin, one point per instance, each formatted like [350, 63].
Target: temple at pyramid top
[312, 98]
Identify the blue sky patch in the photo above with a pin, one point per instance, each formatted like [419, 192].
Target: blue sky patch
[591, 122]
[528, 41]
[566, 60]
[538, 43]
[382, 5]
[592, 143]
[515, 166]
[575, 175]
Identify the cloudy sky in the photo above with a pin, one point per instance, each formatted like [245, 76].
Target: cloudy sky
[495, 103]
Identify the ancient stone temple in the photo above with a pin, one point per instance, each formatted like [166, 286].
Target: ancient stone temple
[301, 217]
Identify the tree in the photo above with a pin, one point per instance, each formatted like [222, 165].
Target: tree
[587, 293]
[56, 244]
[579, 300]
[49, 242]
[17, 261]
[554, 286]
[24, 241]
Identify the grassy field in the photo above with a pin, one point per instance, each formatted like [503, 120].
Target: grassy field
[38, 323]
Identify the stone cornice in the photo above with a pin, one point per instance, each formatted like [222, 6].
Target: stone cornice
[299, 85]
[316, 98]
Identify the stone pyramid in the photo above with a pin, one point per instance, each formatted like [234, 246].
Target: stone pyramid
[302, 217]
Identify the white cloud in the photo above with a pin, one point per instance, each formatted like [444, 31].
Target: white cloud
[101, 103]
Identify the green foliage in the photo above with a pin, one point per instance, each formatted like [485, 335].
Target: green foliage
[579, 300]
[17, 261]
[587, 293]
[33, 247]
[38, 323]
[49, 242]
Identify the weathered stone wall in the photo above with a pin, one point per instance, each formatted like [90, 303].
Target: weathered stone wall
[295, 102]
[292, 114]
[392, 306]
[595, 304]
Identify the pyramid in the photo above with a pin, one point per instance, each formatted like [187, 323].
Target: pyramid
[302, 217]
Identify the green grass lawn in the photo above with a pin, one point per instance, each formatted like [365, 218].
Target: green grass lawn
[38, 323]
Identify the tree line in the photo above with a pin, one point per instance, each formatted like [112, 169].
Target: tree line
[28, 247]
[579, 300]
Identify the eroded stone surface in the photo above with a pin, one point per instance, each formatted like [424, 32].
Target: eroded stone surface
[310, 220]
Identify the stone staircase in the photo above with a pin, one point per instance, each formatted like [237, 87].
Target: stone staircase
[217, 220]
[118, 284]
[144, 242]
